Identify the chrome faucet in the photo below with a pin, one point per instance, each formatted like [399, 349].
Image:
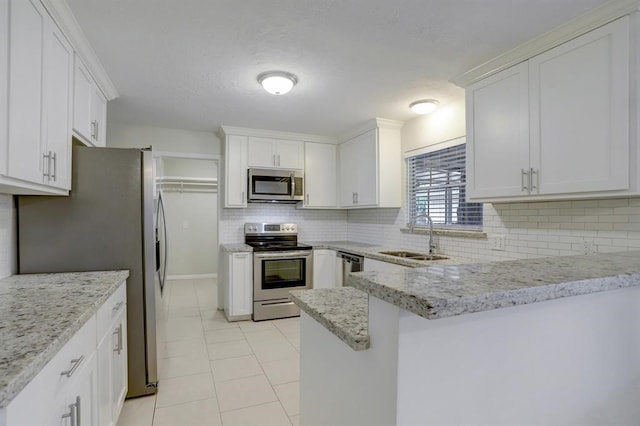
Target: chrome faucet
[412, 223]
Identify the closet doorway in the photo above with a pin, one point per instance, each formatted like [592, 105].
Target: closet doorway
[188, 184]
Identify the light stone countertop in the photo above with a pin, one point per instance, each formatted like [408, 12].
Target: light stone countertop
[442, 291]
[343, 311]
[39, 313]
[237, 248]
[372, 251]
[450, 290]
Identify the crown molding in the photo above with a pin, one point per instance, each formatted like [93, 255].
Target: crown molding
[242, 131]
[584, 23]
[63, 16]
[370, 125]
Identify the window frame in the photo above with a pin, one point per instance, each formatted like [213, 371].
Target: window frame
[411, 201]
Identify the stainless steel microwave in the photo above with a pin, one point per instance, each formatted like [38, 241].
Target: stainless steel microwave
[271, 185]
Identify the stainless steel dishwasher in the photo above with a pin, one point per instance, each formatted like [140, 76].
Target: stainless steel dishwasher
[350, 263]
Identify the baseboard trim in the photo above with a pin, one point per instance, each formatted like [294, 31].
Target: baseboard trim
[191, 276]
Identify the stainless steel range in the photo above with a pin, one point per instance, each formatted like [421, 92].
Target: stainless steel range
[280, 264]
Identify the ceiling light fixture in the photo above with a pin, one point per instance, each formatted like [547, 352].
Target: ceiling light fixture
[277, 82]
[424, 106]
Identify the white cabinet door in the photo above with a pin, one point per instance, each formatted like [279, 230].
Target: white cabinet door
[57, 94]
[275, 153]
[240, 286]
[580, 113]
[82, 99]
[89, 107]
[262, 152]
[235, 184]
[348, 153]
[290, 154]
[26, 37]
[320, 175]
[119, 372]
[367, 169]
[498, 134]
[99, 116]
[324, 264]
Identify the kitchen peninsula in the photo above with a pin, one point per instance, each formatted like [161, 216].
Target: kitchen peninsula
[537, 341]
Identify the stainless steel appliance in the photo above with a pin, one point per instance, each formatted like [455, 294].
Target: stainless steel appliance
[280, 264]
[270, 185]
[105, 223]
[350, 263]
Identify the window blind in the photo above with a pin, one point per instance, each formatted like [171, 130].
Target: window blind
[436, 187]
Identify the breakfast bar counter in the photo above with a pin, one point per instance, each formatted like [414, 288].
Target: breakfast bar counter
[550, 340]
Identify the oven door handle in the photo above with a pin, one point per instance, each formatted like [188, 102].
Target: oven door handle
[283, 254]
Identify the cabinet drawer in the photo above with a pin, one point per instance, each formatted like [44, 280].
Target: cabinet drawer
[110, 309]
[50, 382]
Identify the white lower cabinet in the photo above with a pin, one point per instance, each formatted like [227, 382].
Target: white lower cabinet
[84, 383]
[238, 282]
[324, 268]
[112, 358]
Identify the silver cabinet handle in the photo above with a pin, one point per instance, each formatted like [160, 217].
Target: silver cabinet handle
[273, 160]
[524, 180]
[278, 160]
[117, 307]
[118, 333]
[94, 129]
[534, 187]
[75, 364]
[357, 201]
[353, 198]
[74, 413]
[307, 198]
[242, 196]
[97, 130]
[46, 165]
[55, 167]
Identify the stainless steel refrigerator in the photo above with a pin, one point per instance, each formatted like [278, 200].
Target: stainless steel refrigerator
[107, 222]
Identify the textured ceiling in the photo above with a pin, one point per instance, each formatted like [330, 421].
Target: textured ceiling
[192, 64]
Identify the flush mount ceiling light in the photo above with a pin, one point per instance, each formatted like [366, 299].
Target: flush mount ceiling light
[424, 106]
[277, 82]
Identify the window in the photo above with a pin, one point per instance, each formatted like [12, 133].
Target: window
[436, 187]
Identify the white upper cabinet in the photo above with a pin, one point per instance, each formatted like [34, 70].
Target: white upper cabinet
[370, 167]
[89, 107]
[235, 171]
[38, 143]
[556, 126]
[37, 96]
[275, 153]
[320, 175]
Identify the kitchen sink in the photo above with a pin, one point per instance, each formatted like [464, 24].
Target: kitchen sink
[413, 255]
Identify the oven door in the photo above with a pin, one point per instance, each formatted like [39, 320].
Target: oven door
[276, 273]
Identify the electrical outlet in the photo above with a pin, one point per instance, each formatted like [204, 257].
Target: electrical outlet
[588, 247]
[498, 242]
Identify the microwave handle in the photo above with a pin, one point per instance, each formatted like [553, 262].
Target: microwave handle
[293, 185]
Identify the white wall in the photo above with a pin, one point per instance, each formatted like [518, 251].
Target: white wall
[162, 139]
[192, 220]
[533, 229]
[8, 248]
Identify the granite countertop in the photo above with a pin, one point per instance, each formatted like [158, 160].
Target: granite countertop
[442, 291]
[343, 311]
[39, 313]
[372, 251]
[237, 248]
[450, 290]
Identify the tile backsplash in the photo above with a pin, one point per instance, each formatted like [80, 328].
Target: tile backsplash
[535, 229]
[313, 225]
[7, 236]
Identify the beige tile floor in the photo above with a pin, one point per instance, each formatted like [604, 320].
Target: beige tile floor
[213, 372]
